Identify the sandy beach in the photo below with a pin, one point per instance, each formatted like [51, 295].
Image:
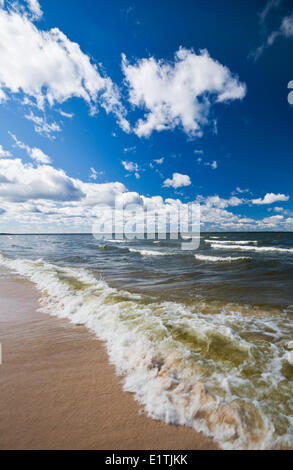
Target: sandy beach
[58, 390]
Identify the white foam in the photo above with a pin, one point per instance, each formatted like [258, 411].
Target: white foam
[176, 380]
[252, 248]
[234, 242]
[149, 252]
[116, 241]
[221, 259]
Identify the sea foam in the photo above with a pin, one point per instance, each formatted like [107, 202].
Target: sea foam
[221, 259]
[233, 242]
[183, 366]
[149, 252]
[251, 248]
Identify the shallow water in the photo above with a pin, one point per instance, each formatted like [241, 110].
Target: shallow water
[200, 336]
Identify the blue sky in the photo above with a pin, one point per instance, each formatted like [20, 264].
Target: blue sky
[183, 100]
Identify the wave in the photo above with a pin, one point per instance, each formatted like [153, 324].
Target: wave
[149, 252]
[234, 242]
[116, 241]
[221, 259]
[252, 248]
[183, 366]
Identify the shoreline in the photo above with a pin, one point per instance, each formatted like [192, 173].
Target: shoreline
[59, 391]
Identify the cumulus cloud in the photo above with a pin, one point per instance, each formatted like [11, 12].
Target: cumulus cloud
[179, 93]
[46, 199]
[3, 96]
[49, 68]
[220, 203]
[34, 8]
[178, 180]
[273, 220]
[131, 167]
[22, 182]
[4, 153]
[270, 198]
[35, 153]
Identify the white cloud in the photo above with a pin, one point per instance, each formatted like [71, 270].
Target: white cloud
[240, 191]
[129, 149]
[35, 153]
[3, 96]
[4, 153]
[287, 26]
[213, 165]
[35, 8]
[21, 182]
[159, 161]
[132, 167]
[270, 198]
[64, 114]
[49, 68]
[220, 203]
[270, 5]
[273, 219]
[285, 30]
[178, 180]
[42, 126]
[45, 199]
[39, 156]
[179, 94]
[94, 174]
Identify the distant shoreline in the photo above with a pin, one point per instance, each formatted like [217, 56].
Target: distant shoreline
[89, 233]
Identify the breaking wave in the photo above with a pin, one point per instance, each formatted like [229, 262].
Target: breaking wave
[252, 248]
[149, 252]
[233, 242]
[222, 259]
[220, 373]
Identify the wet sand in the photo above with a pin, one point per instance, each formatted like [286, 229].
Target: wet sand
[58, 390]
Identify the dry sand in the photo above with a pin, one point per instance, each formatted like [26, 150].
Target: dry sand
[58, 390]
